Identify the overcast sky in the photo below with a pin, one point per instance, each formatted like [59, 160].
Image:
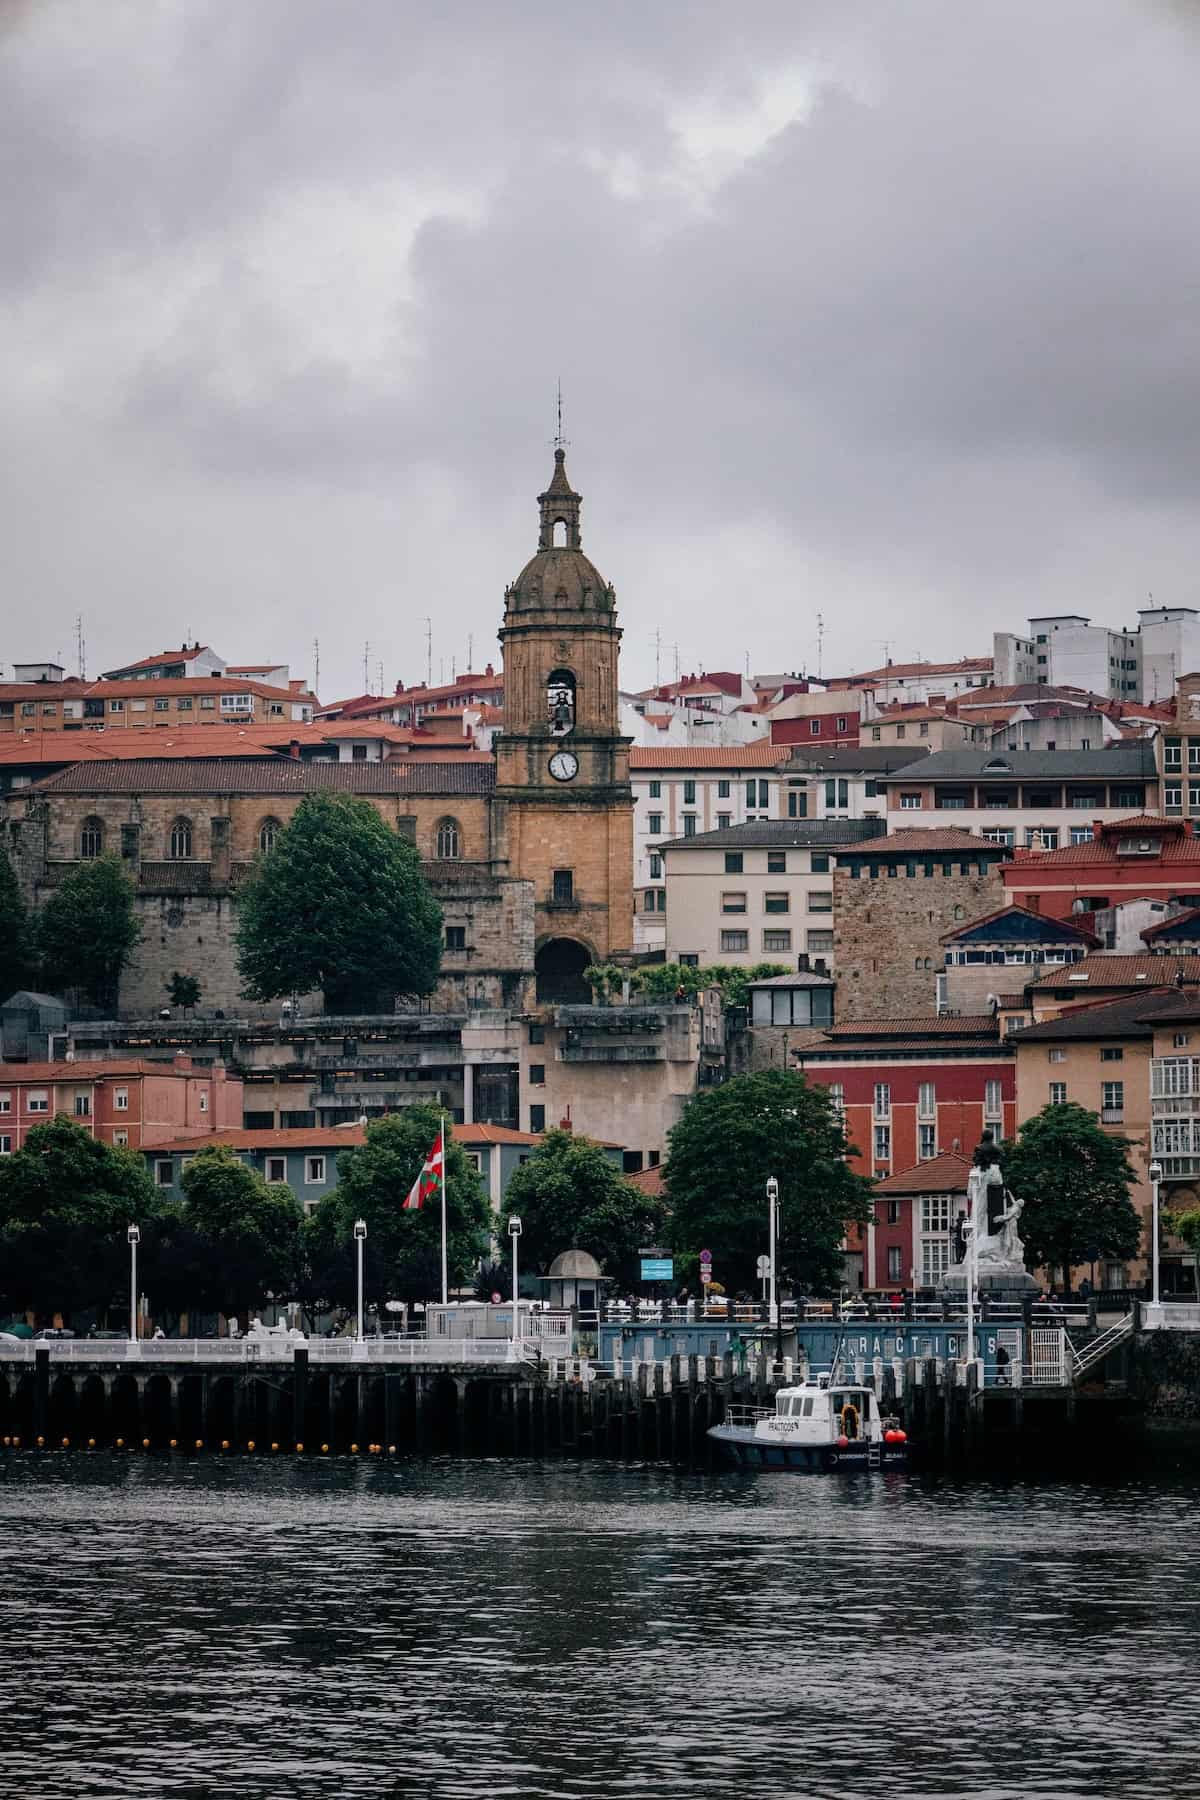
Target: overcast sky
[888, 313]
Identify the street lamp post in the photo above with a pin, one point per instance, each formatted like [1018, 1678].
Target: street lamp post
[135, 1238]
[773, 1215]
[360, 1238]
[514, 1232]
[1155, 1181]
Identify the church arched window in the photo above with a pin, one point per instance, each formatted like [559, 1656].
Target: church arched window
[560, 534]
[560, 702]
[449, 841]
[268, 831]
[91, 839]
[179, 845]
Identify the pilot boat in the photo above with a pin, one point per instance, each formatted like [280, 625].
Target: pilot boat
[821, 1424]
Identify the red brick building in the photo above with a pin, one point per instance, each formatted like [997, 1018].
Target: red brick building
[136, 1102]
[911, 1243]
[912, 1089]
[1144, 857]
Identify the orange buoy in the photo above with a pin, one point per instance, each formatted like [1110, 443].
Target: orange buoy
[145, 1443]
[250, 1444]
[66, 1443]
[843, 1441]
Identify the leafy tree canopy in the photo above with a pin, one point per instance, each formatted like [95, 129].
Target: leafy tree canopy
[728, 1142]
[339, 904]
[570, 1196]
[88, 929]
[402, 1259]
[666, 981]
[16, 935]
[239, 1232]
[66, 1202]
[1075, 1181]
[183, 990]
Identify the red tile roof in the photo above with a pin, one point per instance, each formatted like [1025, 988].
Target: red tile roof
[470, 772]
[945, 1174]
[90, 1069]
[919, 842]
[1105, 970]
[968, 665]
[185, 653]
[719, 756]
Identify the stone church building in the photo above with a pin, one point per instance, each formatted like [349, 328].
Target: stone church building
[529, 850]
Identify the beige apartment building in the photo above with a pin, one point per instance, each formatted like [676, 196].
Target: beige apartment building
[756, 893]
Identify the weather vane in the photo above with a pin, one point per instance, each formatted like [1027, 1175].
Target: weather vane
[560, 442]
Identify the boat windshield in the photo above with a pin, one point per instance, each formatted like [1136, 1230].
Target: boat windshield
[799, 1406]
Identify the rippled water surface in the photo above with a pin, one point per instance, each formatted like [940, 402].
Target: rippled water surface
[497, 1629]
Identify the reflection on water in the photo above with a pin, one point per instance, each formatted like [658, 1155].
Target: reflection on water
[497, 1629]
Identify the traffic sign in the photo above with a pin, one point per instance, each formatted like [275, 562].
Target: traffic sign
[706, 1256]
[705, 1274]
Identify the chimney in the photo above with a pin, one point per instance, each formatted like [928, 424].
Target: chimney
[182, 1060]
[296, 686]
[294, 749]
[802, 962]
[1097, 830]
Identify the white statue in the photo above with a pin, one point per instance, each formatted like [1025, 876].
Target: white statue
[993, 1215]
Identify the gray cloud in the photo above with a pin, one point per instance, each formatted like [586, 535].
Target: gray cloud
[891, 318]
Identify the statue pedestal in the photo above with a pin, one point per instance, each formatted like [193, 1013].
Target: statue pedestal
[1007, 1282]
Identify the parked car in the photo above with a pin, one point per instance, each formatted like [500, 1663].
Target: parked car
[53, 1331]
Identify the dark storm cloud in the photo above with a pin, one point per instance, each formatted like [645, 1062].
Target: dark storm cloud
[892, 315]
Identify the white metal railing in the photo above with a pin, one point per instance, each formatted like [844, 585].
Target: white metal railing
[1086, 1356]
[228, 1351]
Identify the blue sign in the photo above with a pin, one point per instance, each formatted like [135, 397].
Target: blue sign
[658, 1268]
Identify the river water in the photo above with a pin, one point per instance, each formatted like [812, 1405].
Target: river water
[493, 1629]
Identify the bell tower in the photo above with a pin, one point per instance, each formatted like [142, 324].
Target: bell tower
[562, 766]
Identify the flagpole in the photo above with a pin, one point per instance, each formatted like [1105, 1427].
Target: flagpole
[445, 1286]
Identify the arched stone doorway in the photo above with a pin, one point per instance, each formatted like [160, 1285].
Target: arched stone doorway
[560, 964]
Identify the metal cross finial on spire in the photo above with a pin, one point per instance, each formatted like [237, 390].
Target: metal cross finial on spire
[560, 442]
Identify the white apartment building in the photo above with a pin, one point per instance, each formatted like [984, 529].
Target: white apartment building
[1032, 799]
[760, 892]
[685, 791]
[1139, 663]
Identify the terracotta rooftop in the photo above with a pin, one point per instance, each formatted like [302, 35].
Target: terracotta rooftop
[1108, 971]
[967, 665]
[937, 839]
[184, 653]
[945, 1174]
[757, 755]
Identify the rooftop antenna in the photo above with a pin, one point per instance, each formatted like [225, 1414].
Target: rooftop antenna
[316, 665]
[366, 667]
[675, 647]
[380, 673]
[820, 645]
[429, 653]
[657, 658]
[470, 651]
[80, 646]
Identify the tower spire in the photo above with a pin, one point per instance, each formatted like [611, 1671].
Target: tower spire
[560, 442]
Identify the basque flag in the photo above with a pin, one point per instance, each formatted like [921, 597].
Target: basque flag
[428, 1184]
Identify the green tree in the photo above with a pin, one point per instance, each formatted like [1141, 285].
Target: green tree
[239, 1232]
[87, 930]
[339, 904]
[183, 990]
[403, 1257]
[16, 936]
[1187, 1226]
[570, 1196]
[1075, 1181]
[730, 1140]
[66, 1203]
[667, 981]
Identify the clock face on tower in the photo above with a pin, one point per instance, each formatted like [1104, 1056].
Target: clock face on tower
[564, 765]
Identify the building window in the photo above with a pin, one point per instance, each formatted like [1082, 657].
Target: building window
[895, 1263]
[819, 862]
[777, 941]
[563, 886]
[1081, 834]
[314, 1169]
[876, 734]
[5, 1103]
[456, 937]
[777, 903]
[1058, 1093]
[689, 793]
[776, 862]
[841, 722]
[183, 705]
[537, 1118]
[161, 704]
[837, 1096]
[735, 940]
[814, 727]
[537, 1034]
[797, 805]
[116, 706]
[277, 1168]
[91, 839]
[724, 821]
[164, 1173]
[910, 802]
[537, 1074]
[179, 847]
[1058, 1056]
[1112, 1102]
[883, 1144]
[449, 843]
[662, 900]
[648, 900]
[1172, 754]
[121, 1139]
[733, 903]
[1181, 1038]
[733, 862]
[926, 1100]
[268, 832]
[926, 1142]
[993, 1102]
[120, 1099]
[656, 790]
[83, 1106]
[656, 868]
[837, 795]
[821, 942]
[883, 1100]
[821, 902]
[38, 1102]
[204, 1103]
[689, 824]
[763, 792]
[654, 824]
[1112, 1054]
[723, 790]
